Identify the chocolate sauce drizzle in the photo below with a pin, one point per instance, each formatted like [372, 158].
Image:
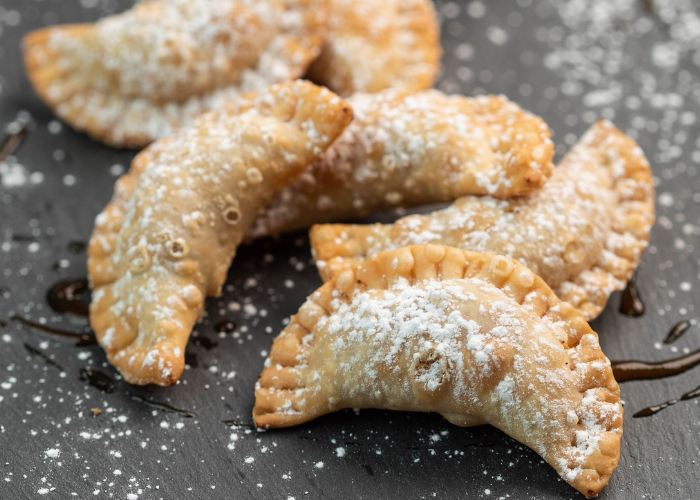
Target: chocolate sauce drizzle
[163, 407]
[624, 371]
[677, 331]
[191, 360]
[23, 238]
[653, 410]
[70, 297]
[631, 303]
[82, 339]
[76, 247]
[226, 326]
[205, 342]
[36, 352]
[235, 423]
[97, 379]
[12, 142]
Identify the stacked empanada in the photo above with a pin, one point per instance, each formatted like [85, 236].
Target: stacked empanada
[407, 148]
[583, 232]
[132, 78]
[476, 337]
[477, 311]
[167, 238]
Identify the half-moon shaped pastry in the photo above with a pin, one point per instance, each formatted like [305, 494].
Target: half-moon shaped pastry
[135, 77]
[374, 45]
[475, 337]
[409, 148]
[583, 233]
[167, 238]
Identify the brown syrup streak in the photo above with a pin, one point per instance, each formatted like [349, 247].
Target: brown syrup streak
[225, 326]
[76, 247]
[82, 339]
[97, 379]
[68, 297]
[163, 407]
[677, 331]
[631, 303]
[23, 238]
[36, 352]
[191, 360]
[235, 423]
[203, 341]
[653, 410]
[12, 142]
[624, 371]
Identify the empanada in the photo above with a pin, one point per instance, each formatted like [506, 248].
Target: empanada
[409, 148]
[167, 238]
[475, 337]
[583, 232]
[135, 77]
[373, 46]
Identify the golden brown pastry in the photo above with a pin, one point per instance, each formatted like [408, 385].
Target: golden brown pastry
[374, 45]
[583, 233]
[476, 337]
[167, 238]
[135, 77]
[409, 148]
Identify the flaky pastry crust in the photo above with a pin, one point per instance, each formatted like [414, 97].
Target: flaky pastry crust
[374, 45]
[135, 77]
[583, 232]
[476, 337]
[408, 148]
[167, 238]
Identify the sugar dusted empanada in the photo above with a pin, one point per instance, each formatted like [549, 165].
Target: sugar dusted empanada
[476, 337]
[167, 238]
[374, 45]
[409, 148]
[583, 232]
[135, 77]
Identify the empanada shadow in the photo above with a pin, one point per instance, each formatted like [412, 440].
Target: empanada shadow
[446, 462]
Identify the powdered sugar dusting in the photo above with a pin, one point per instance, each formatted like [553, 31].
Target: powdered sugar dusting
[468, 350]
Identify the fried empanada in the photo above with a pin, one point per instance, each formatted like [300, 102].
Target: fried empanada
[135, 77]
[583, 232]
[475, 337]
[372, 46]
[167, 238]
[409, 148]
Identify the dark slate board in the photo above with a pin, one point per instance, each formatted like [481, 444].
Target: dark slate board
[568, 61]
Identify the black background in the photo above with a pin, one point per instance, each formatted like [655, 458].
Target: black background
[569, 62]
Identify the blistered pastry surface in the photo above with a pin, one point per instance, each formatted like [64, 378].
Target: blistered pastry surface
[167, 238]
